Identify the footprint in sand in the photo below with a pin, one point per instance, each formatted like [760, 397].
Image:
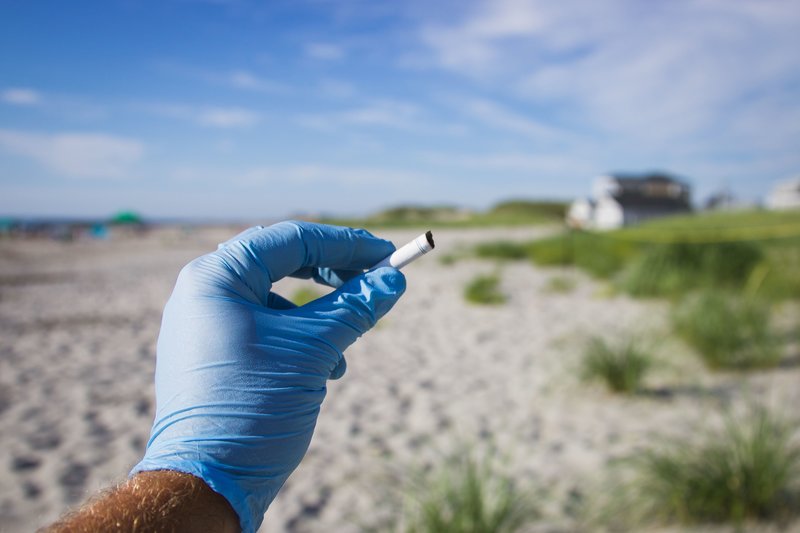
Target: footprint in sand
[73, 479]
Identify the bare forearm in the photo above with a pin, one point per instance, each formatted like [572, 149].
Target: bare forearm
[153, 501]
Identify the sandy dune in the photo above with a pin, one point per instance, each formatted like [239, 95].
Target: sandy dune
[78, 326]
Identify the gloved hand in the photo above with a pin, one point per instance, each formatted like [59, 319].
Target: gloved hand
[241, 372]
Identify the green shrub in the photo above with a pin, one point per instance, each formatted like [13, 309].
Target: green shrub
[730, 332]
[621, 367]
[468, 496]
[600, 255]
[560, 284]
[303, 295]
[676, 268]
[749, 471]
[485, 290]
[530, 209]
[502, 250]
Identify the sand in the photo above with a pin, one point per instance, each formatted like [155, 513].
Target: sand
[79, 322]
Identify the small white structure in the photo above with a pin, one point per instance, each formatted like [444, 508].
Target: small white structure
[581, 213]
[621, 200]
[785, 195]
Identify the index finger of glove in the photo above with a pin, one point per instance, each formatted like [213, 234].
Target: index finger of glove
[282, 249]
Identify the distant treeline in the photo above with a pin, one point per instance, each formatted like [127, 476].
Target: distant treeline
[511, 212]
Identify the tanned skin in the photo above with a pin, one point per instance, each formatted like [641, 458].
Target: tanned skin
[163, 501]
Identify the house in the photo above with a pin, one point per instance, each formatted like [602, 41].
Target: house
[621, 200]
[785, 195]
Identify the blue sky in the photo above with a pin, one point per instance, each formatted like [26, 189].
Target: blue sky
[260, 109]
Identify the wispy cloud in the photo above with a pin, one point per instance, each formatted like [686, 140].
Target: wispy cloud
[656, 73]
[382, 113]
[324, 51]
[239, 78]
[212, 116]
[20, 96]
[500, 117]
[330, 175]
[79, 155]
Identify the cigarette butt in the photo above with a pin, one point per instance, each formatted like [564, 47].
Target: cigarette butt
[409, 252]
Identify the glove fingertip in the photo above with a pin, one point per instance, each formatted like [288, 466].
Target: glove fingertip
[388, 284]
[388, 280]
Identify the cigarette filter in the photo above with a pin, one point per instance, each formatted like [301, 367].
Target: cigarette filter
[410, 252]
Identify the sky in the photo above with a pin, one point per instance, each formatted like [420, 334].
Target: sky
[263, 109]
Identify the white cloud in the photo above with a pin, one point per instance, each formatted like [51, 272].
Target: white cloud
[80, 155]
[217, 117]
[227, 117]
[386, 113]
[329, 175]
[246, 80]
[324, 51]
[654, 73]
[500, 117]
[241, 79]
[20, 96]
[337, 89]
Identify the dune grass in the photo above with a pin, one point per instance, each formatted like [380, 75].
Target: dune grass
[303, 295]
[467, 495]
[502, 250]
[676, 268]
[621, 367]
[560, 285]
[754, 250]
[485, 290]
[749, 471]
[729, 331]
[519, 212]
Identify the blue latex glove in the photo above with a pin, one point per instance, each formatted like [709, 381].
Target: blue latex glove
[241, 372]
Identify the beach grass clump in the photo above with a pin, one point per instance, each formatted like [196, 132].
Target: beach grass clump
[485, 290]
[560, 285]
[601, 256]
[467, 495]
[676, 268]
[503, 250]
[729, 331]
[621, 367]
[304, 295]
[750, 471]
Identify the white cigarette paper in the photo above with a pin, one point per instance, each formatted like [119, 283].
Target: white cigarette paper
[408, 253]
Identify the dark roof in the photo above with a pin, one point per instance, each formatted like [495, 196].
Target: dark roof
[656, 191]
[655, 203]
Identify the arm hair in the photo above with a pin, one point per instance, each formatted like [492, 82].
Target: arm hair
[161, 500]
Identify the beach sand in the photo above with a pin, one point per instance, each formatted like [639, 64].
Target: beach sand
[79, 323]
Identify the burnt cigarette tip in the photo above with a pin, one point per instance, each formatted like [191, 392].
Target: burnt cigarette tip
[429, 238]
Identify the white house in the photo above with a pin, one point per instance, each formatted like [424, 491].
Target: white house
[785, 195]
[621, 200]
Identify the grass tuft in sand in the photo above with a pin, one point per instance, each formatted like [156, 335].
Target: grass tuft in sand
[749, 471]
[485, 290]
[468, 495]
[621, 367]
[729, 331]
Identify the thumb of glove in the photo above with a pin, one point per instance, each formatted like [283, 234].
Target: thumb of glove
[356, 307]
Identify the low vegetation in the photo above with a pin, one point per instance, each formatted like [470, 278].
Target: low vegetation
[485, 290]
[757, 251]
[468, 496]
[750, 471]
[729, 331]
[674, 269]
[621, 367]
[303, 295]
[560, 285]
[510, 213]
